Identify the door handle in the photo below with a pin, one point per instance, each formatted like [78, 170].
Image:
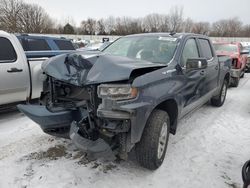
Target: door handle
[217, 67]
[202, 73]
[12, 70]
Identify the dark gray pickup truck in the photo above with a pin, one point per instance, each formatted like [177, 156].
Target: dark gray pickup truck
[130, 95]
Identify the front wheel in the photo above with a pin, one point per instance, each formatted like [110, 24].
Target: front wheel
[151, 150]
[220, 99]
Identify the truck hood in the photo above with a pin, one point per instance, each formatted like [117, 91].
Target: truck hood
[84, 68]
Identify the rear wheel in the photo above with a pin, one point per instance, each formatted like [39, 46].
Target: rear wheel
[220, 99]
[151, 150]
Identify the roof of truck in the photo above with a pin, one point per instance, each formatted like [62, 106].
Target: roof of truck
[176, 35]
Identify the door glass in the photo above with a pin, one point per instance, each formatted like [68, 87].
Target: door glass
[190, 51]
[38, 45]
[7, 51]
[206, 49]
[64, 45]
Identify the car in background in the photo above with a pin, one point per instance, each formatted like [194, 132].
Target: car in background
[44, 43]
[238, 56]
[248, 58]
[95, 46]
[21, 76]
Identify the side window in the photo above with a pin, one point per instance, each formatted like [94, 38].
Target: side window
[7, 51]
[190, 51]
[206, 49]
[38, 45]
[64, 45]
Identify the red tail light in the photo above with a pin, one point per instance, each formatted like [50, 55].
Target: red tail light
[234, 63]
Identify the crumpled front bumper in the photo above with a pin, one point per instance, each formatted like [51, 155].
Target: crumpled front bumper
[62, 124]
[56, 124]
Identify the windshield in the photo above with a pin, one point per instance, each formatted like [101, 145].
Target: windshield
[226, 47]
[150, 48]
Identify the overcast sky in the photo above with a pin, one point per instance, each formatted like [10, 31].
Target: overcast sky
[198, 10]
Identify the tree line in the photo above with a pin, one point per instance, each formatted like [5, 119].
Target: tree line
[17, 16]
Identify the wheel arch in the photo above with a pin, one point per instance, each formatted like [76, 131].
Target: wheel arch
[227, 77]
[170, 106]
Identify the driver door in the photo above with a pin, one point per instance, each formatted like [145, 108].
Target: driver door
[193, 80]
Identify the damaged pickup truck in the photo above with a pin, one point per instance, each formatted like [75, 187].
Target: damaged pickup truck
[130, 95]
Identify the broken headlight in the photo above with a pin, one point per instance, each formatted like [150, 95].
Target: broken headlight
[117, 91]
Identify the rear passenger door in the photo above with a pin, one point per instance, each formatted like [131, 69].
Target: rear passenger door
[212, 70]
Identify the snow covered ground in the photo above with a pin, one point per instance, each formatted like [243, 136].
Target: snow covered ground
[208, 151]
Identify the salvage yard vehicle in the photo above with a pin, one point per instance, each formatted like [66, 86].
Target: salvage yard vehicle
[131, 95]
[21, 77]
[247, 48]
[238, 56]
[44, 43]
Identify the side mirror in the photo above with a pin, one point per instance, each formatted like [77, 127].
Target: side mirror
[244, 52]
[195, 64]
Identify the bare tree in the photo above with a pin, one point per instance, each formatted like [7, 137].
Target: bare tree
[176, 19]
[110, 25]
[34, 19]
[188, 25]
[89, 27]
[234, 27]
[201, 27]
[246, 31]
[100, 27]
[10, 11]
[17, 16]
[227, 28]
[156, 23]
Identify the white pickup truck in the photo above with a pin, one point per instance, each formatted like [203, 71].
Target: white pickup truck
[21, 77]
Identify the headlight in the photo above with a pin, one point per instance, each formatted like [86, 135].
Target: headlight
[117, 92]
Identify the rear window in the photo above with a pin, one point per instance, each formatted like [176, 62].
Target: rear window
[38, 45]
[64, 45]
[7, 51]
[206, 49]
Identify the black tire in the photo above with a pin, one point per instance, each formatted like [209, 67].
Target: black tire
[147, 149]
[246, 174]
[220, 99]
[235, 82]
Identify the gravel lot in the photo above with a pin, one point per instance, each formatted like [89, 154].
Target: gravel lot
[208, 151]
